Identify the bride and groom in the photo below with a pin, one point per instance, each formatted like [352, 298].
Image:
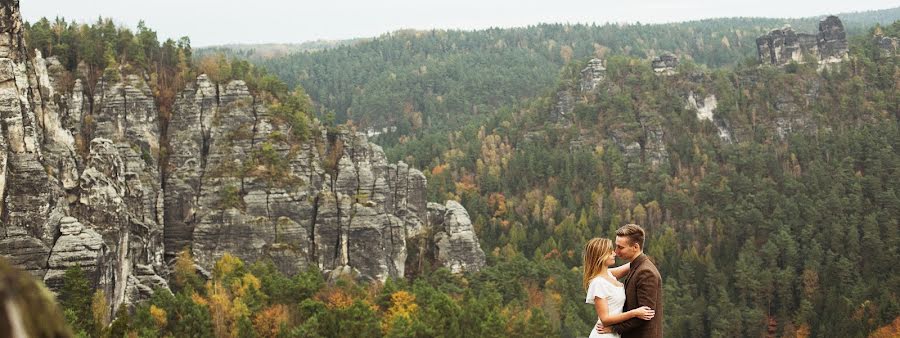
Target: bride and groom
[630, 309]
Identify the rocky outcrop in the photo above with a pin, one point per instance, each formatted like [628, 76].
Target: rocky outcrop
[565, 105]
[76, 246]
[81, 183]
[832, 40]
[61, 208]
[664, 64]
[240, 183]
[887, 46]
[782, 46]
[592, 75]
[706, 111]
[457, 245]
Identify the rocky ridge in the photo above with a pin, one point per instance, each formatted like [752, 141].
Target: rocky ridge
[782, 46]
[81, 184]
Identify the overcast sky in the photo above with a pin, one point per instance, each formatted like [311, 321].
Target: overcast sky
[212, 22]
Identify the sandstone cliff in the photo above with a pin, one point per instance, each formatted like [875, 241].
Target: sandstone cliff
[81, 183]
[782, 46]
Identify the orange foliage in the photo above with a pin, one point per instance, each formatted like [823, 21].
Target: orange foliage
[891, 330]
[159, 316]
[553, 254]
[466, 184]
[335, 298]
[497, 201]
[268, 322]
[438, 169]
[802, 331]
[535, 295]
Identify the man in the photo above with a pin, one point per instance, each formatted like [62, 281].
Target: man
[643, 286]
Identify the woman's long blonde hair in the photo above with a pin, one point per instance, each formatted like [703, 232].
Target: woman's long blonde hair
[596, 251]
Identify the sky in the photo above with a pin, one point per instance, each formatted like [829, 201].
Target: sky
[215, 22]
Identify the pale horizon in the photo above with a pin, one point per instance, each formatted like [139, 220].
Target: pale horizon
[213, 23]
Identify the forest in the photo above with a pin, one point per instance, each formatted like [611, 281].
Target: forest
[773, 232]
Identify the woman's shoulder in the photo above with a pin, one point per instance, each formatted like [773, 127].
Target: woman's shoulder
[597, 279]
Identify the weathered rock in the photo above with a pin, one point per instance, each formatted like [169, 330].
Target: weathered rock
[565, 105]
[189, 141]
[81, 182]
[457, 245]
[706, 111]
[77, 246]
[593, 74]
[665, 64]
[887, 46]
[24, 181]
[782, 46]
[832, 40]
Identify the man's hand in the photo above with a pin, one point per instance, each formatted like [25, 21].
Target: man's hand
[602, 329]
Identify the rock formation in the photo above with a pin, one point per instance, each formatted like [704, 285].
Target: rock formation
[782, 46]
[665, 64]
[887, 46]
[565, 105]
[593, 74]
[81, 183]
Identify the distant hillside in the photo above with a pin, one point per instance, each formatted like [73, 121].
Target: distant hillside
[758, 186]
[272, 50]
[420, 80]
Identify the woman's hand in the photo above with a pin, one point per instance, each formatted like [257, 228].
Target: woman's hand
[643, 312]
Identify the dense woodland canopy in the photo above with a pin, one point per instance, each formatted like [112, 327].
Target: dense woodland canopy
[420, 81]
[785, 235]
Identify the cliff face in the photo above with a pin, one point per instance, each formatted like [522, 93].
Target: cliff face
[81, 184]
[782, 46]
[237, 184]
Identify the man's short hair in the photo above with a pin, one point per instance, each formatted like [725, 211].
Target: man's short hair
[634, 233]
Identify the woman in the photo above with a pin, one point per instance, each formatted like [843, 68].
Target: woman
[604, 289]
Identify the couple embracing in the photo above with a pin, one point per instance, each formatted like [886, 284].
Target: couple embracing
[630, 309]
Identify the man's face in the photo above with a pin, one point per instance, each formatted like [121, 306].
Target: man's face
[625, 249]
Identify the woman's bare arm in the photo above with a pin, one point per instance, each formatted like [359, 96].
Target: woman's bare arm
[620, 271]
[607, 319]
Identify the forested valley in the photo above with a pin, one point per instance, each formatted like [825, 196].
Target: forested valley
[769, 193]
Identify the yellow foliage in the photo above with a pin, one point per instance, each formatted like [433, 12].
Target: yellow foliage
[403, 304]
[802, 331]
[240, 287]
[497, 201]
[550, 206]
[226, 305]
[198, 299]
[226, 265]
[184, 267]
[159, 316]
[100, 309]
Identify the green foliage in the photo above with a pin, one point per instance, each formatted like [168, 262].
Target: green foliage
[440, 80]
[230, 197]
[771, 232]
[75, 299]
[294, 110]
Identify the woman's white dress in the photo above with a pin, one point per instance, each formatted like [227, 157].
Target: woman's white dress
[615, 300]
